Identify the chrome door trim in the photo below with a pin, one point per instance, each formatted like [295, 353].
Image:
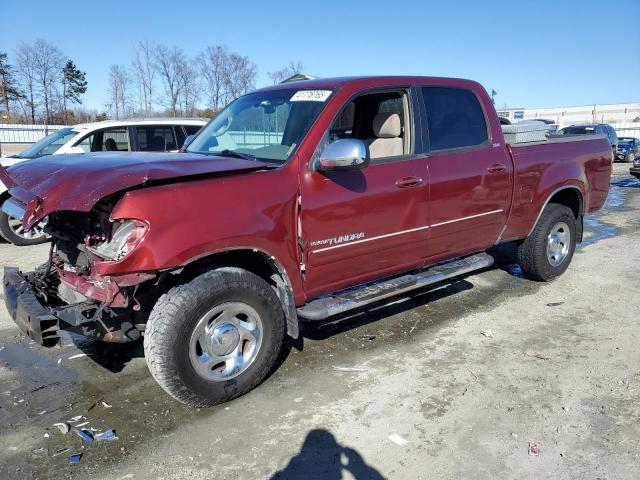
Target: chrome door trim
[466, 218]
[386, 235]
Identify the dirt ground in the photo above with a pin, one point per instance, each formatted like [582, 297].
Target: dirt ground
[455, 383]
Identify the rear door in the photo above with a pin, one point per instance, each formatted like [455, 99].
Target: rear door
[470, 178]
[362, 224]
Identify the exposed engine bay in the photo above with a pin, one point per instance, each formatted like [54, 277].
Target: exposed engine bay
[107, 308]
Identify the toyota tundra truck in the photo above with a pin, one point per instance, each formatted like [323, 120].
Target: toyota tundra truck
[298, 202]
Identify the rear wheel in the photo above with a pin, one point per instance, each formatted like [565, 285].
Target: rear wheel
[214, 338]
[548, 250]
[631, 157]
[12, 231]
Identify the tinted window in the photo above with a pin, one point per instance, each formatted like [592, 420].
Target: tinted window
[454, 118]
[180, 135]
[192, 129]
[114, 139]
[155, 138]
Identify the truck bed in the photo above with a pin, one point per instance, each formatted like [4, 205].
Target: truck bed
[586, 160]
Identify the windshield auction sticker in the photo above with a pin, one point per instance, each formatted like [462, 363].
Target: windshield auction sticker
[311, 95]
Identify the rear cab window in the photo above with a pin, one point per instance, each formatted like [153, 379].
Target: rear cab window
[455, 118]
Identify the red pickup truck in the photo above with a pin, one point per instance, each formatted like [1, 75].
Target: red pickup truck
[297, 202]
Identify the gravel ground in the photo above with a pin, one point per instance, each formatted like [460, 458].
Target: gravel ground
[461, 381]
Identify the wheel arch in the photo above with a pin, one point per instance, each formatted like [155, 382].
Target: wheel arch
[568, 195]
[258, 262]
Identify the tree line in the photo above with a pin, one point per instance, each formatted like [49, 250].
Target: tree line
[42, 85]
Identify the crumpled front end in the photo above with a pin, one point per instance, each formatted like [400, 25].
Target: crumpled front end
[67, 294]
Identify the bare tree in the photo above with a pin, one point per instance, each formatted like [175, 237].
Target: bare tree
[212, 64]
[48, 63]
[118, 89]
[170, 62]
[240, 76]
[27, 77]
[293, 68]
[189, 89]
[144, 70]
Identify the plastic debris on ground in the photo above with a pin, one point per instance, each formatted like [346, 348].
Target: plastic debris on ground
[63, 427]
[84, 434]
[105, 404]
[398, 440]
[60, 452]
[109, 434]
[534, 448]
[75, 458]
[351, 369]
[79, 355]
[554, 304]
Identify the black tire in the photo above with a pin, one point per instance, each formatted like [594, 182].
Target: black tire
[10, 236]
[176, 315]
[532, 252]
[630, 157]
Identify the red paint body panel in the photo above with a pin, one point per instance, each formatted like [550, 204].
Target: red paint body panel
[208, 205]
[78, 181]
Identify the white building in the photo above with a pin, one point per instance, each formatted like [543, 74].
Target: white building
[624, 117]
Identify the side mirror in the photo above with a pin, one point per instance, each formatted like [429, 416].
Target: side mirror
[345, 154]
[75, 150]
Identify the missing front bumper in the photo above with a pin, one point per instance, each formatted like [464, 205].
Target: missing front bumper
[43, 324]
[25, 309]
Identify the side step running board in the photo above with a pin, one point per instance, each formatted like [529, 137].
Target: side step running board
[361, 295]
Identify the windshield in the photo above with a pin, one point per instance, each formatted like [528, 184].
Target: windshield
[49, 144]
[267, 126]
[626, 140]
[578, 131]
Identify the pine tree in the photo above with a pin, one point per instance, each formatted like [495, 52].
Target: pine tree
[74, 84]
[8, 89]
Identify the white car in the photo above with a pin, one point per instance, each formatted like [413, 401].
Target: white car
[152, 135]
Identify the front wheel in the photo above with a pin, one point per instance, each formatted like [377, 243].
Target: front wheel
[12, 231]
[215, 338]
[546, 253]
[631, 157]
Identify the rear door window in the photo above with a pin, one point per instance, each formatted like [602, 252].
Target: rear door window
[155, 138]
[454, 118]
[106, 140]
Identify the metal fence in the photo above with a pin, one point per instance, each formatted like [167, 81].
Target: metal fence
[258, 139]
[627, 129]
[14, 133]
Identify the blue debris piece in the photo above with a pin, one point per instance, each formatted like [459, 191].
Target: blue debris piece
[84, 434]
[75, 458]
[106, 435]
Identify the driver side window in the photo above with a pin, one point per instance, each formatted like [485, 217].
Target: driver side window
[378, 119]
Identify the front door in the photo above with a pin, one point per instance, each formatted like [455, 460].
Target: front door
[363, 224]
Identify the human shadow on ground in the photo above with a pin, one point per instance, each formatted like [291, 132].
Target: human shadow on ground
[323, 458]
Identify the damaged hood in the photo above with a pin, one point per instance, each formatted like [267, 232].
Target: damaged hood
[78, 181]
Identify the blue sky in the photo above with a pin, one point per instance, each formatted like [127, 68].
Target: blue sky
[534, 54]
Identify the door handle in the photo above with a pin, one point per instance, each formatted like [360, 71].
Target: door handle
[496, 168]
[407, 182]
